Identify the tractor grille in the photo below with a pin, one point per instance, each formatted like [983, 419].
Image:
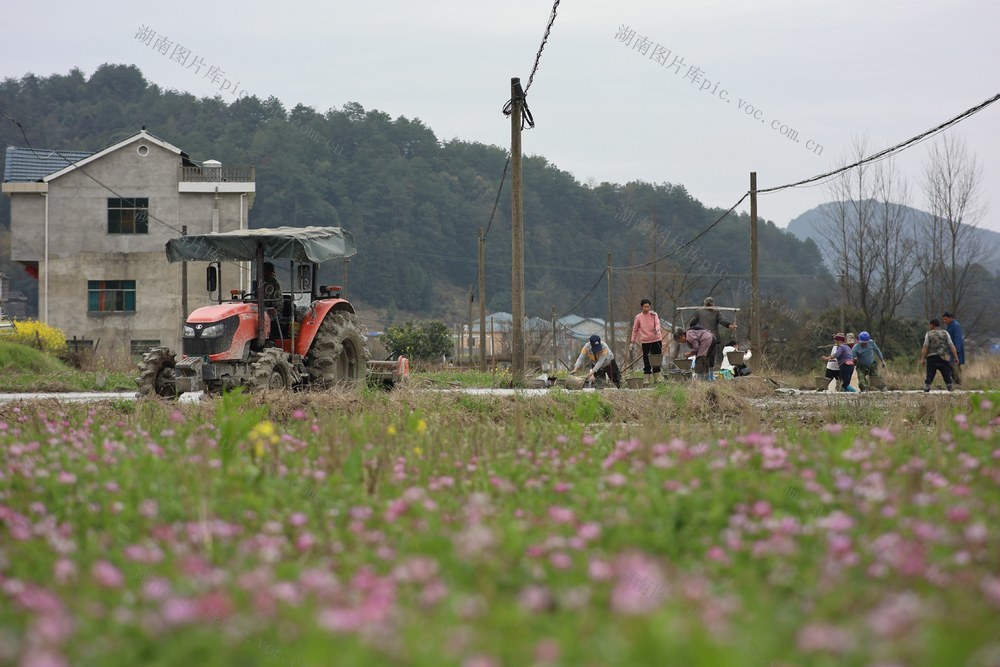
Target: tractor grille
[202, 347]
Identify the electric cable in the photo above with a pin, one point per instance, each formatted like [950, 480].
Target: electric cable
[888, 151]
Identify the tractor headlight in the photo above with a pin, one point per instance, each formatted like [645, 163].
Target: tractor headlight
[188, 331]
[213, 331]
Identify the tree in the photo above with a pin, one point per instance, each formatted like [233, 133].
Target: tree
[949, 248]
[421, 340]
[866, 238]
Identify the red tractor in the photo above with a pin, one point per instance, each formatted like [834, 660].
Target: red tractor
[304, 336]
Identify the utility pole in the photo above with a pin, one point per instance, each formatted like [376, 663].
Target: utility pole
[184, 281]
[843, 299]
[611, 309]
[754, 271]
[482, 301]
[517, 235]
[555, 354]
[469, 320]
[652, 297]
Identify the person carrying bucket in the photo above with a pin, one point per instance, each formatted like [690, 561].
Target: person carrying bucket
[603, 362]
[646, 331]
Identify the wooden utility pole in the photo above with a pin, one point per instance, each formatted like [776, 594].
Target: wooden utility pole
[652, 297]
[555, 353]
[184, 281]
[611, 309]
[468, 319]
[517, 235]
[482, 301]
[754, 271]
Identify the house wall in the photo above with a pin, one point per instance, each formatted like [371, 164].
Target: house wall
[81, 249]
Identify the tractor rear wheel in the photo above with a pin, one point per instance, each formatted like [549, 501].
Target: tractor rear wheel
[339, 354]
[270, 371]
[156, 373]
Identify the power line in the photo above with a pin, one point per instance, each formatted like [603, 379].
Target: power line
[688, 243]
[545, 38]
[587, 295]
[497, 200]
[891, 150]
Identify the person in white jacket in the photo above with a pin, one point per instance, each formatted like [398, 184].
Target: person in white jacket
[738, 369]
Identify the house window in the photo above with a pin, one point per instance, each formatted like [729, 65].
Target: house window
[111, 296]
[137, 348]
[128, 216]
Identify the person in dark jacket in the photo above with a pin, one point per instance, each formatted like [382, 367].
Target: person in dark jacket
[707, 317]
[954, 330]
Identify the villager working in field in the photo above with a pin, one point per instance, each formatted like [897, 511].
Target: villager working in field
[602, 360]
[702, 347]
[841, 353]
[711, 319]
[934, 353]
[738, 370]
[646, 331]
[864, 355]
[954, 330]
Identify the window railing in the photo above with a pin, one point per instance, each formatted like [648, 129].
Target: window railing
[218, 174]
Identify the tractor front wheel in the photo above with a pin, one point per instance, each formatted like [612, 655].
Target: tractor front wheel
[156, 373]
[270, 371]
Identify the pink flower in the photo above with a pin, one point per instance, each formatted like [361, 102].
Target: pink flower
[107, 575]
[547, 652]
[640, 587]
[179, 611]
[148, 508]
[833, 429]
[561, 561]
[561, 514]
[42, 657]
[718, 555]
[616, 479]
[298, 519]
[589, 531]
[822, 637]
[958, 514]
[66, 477]
[885, 435]
[305, 542]
[64, 571]
[299, 414]
[536, 599]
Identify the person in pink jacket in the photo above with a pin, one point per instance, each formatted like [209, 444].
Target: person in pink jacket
[646, 331]
[702, 347]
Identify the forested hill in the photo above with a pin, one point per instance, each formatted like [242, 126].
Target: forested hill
[414, 202]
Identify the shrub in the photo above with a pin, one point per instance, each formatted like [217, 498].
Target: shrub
[38, 335]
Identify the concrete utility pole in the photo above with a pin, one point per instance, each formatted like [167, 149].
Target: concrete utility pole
[482, 301]
[517, 235]
[611, 309]
[754, 271]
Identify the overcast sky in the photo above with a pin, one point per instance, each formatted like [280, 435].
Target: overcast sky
[605, 111]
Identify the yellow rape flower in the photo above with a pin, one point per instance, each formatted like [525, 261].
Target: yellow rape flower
[262, 435]
[390, 430]
[419, 452]
[421, 427]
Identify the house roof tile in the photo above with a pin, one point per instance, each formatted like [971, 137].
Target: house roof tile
[27, 165]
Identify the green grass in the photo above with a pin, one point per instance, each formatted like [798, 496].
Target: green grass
[452, 528]
[25, 369]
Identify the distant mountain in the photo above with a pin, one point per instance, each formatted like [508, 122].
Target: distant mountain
[807, 226]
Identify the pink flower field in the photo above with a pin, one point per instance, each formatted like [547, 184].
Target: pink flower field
[405, 530]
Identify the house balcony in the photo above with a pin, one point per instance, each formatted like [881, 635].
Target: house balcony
[217, 178]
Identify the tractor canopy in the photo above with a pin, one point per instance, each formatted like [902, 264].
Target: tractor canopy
[300, 244]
